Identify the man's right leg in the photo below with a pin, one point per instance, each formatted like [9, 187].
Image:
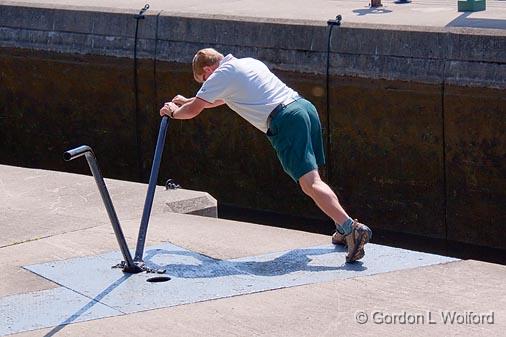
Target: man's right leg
[323, 196]
[355, 234]
[312, 185]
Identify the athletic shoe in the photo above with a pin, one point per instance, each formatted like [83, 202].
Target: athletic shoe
[356, 240]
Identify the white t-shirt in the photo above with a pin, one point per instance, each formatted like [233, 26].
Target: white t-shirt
[248, 87]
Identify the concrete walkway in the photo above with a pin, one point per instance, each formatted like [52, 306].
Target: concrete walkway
[432, 13]
[227, 278]
[399, 292]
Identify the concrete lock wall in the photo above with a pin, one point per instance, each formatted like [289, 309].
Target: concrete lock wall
[415, 127]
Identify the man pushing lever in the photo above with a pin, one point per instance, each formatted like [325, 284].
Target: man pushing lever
[290, 122]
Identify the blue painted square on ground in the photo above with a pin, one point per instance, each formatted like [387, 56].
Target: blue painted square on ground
[91, 289]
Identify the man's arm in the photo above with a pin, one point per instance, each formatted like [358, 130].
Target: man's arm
[216, 103]
[190, 107]
[180, 100]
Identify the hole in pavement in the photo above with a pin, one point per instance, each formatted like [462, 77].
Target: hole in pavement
[158, 279]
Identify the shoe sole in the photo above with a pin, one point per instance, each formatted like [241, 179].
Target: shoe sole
[364, 236]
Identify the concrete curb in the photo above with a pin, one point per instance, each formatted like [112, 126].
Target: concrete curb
[54, 195]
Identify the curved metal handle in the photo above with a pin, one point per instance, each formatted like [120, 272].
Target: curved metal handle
[76, 152]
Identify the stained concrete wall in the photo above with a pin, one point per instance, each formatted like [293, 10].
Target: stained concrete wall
[416, 120]
[422, 54]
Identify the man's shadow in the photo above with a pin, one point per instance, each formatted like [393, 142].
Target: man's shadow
[194, 265]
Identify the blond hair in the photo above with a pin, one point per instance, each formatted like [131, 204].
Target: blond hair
[204, 58]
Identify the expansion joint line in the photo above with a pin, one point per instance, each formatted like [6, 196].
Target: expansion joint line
[443, 136]
[140, 166]
[331, 23]
[155, 61]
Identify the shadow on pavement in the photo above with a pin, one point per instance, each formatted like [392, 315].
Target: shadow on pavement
[199, 266]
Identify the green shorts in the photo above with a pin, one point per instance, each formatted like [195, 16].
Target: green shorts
[296, 135]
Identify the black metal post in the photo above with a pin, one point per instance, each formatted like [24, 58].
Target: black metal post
[141, 239]
[86, 151]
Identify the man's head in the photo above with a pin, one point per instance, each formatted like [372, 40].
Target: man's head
[204, 63]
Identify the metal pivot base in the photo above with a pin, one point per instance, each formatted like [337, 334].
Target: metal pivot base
[137, 267]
